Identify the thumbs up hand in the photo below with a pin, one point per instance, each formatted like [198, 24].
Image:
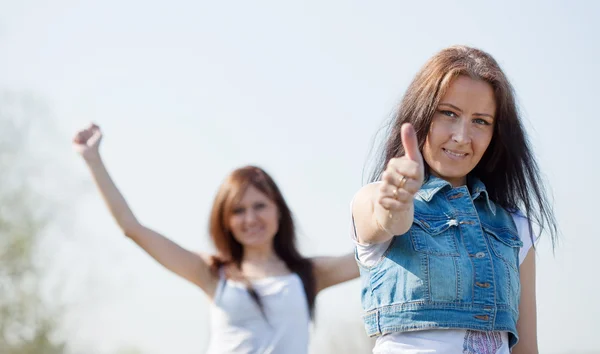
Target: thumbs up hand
[402, 179]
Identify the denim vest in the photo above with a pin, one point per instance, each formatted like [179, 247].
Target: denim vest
[457, 267]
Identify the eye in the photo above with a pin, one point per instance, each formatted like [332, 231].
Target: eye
[238, 211]
[481, 121]
[260, 206]
[449, 113]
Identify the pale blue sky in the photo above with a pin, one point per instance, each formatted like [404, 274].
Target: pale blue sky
[185, 91]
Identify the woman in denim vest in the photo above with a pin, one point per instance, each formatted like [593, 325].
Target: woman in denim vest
[443, 238]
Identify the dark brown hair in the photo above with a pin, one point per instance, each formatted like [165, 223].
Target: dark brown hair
[284, 243]
[508, 168]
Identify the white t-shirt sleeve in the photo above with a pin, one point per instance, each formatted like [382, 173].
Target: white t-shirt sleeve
[368, 254]
[523, 230]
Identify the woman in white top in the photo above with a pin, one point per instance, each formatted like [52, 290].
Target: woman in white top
[262, 290]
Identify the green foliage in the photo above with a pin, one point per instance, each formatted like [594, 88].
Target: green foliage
[28, 325]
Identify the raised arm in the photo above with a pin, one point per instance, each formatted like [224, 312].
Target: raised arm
[385, 209]
[191, 266]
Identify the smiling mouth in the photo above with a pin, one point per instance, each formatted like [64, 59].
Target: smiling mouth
[254, 231]
[455, 154]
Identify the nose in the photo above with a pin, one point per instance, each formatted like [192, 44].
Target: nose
[461, 133]
[250, 217]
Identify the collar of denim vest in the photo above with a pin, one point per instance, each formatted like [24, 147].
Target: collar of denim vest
[434, 184]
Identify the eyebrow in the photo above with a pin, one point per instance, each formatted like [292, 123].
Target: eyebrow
[460, 110]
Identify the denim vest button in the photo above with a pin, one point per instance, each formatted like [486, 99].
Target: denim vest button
[479, 255]
[482, 285]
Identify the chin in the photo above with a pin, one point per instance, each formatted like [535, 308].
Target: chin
[255, 241]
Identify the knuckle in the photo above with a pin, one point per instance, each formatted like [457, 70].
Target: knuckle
[394, 162]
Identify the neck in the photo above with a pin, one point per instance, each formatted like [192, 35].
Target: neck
[259, 254]
[454, 181]
[457, 182]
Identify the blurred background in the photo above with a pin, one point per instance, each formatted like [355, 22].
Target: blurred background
[186, 91]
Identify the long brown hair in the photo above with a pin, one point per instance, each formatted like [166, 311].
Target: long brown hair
[508, 168]
[284, 242]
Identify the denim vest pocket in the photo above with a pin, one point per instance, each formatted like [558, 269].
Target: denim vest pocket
[434, 236]
[505, 245]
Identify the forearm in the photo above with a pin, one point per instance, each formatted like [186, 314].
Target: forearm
[111, 195]
[393, 222]
[372, 219]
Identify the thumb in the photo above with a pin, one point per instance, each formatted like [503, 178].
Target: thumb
[410, 143]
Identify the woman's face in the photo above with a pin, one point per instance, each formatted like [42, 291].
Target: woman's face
[255, 219]
[461, 129]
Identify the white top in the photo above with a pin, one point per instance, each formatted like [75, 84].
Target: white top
[441, 341]
[238, 326]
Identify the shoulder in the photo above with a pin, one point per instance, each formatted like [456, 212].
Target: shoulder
[216, 264]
